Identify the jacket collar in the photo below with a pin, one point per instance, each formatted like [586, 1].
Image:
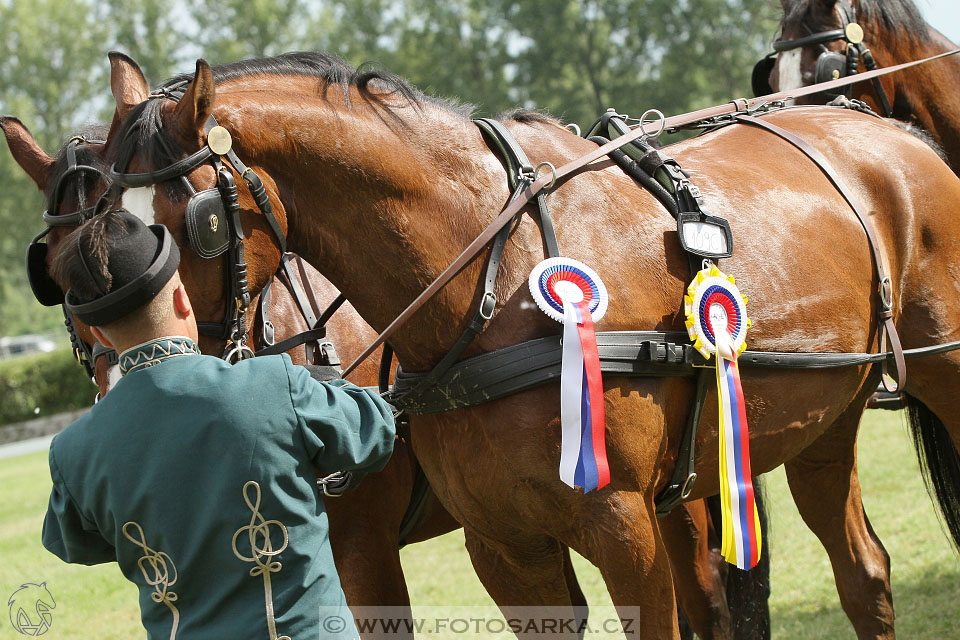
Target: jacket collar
[156, 351]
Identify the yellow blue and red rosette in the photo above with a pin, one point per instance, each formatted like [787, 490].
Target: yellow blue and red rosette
[572, 293]
[716, 319]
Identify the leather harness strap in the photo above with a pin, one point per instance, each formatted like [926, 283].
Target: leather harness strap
[885, 293]
[502, 220]
[520, 174]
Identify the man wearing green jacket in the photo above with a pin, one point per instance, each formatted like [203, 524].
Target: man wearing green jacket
[194, 475]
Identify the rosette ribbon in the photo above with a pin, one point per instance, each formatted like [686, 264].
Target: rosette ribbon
[570, 292]
[583, 449]
[717, 323]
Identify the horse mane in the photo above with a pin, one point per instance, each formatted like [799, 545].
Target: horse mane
[528, 116]
[84, 156]
[900, 17]
[378, 87]
[924, 136]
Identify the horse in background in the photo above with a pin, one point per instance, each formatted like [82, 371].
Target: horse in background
[383, 186]
[894, 32]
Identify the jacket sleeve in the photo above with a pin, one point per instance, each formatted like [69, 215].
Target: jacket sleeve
[345, 428]
[66, 532]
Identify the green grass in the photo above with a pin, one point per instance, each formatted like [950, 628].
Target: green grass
[98, 602]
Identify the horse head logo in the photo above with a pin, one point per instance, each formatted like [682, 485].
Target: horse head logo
[30, 607]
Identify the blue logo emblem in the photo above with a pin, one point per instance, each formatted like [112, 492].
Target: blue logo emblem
[30, 607]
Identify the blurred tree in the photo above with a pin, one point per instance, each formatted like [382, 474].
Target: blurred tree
[152, 32]
[48, 80]
[236, 29]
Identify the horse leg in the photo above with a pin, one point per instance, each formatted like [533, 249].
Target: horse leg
[529, 579]
[364, 536]
[579, 601]
[623, 539]
[696, 570]
[823, 481]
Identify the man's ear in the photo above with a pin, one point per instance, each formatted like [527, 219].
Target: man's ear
[102, 339]
[181, 302]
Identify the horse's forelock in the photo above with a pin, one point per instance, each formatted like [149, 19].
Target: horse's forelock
[142, 133]
[84, 156]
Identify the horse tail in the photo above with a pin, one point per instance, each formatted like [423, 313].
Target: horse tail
[748, 592]
[939, 464]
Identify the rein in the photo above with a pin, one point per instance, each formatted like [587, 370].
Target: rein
[643, 129]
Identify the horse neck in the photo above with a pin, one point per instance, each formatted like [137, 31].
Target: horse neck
[381, 206]
[926, 94]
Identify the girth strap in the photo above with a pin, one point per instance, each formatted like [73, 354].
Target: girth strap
[888, 331]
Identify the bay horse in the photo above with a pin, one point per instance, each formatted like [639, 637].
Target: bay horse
[894, 31]
[365, 526]
[380, 187]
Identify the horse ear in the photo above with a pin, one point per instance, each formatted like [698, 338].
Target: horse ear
[196, 105]
[128, 84]
[25, 150]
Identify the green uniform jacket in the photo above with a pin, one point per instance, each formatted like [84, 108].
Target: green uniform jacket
[197, 477]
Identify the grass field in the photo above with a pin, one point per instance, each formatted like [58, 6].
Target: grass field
[96, 602]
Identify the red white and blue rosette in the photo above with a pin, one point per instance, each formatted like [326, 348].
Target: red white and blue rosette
[572, 293]
[716, 319]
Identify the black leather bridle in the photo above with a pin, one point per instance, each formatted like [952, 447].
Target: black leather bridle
[219, 153]
[830, 64]
[45, 290]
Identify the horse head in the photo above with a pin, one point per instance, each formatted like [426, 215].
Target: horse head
[158, 175]
[72, 182]
[822, 40]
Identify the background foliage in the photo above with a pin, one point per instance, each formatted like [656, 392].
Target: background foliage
[573, 58]
[52, 382]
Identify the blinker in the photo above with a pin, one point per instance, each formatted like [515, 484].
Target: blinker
[203, 215]
[45, 290]
[760, 79]
[831, 66]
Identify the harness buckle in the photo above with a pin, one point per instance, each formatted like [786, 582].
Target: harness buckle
[488, 304]
[688, 485]
[886, 293]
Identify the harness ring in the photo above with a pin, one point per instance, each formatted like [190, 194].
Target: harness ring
[553, 170]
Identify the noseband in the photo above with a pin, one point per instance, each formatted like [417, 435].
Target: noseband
[830, 64]
[212, 217]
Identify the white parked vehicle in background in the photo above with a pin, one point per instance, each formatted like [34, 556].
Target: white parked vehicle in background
[21, 345]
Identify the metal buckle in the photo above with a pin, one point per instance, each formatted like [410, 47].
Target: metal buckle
[237, 351]
[688, 485]
[336, 477]
[487, 312]
[886, 293]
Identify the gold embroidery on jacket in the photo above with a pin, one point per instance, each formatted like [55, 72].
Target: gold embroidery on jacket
[261, 546]
[159, 572]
